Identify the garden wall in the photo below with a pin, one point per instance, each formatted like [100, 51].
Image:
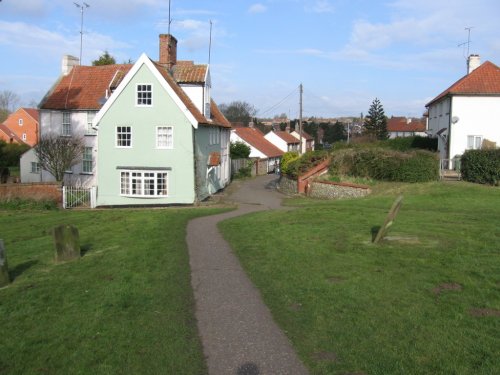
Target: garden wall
[38, 191]
[324, 189]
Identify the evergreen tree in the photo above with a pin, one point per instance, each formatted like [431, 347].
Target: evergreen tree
[104, 59]
[375, 121]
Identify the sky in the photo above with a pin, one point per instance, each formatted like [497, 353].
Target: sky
[345, 53]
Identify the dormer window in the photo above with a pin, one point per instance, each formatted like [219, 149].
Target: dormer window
[144, 95]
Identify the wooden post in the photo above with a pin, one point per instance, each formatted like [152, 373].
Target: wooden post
[389, 220]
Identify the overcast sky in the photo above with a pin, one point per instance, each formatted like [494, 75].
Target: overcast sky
[344, 52]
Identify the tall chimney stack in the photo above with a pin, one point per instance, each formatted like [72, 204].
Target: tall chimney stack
[473, 62]
[168, 50]
[68, 62]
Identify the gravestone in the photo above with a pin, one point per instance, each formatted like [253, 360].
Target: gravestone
[4, 270]
[389, 220]
[67, 243]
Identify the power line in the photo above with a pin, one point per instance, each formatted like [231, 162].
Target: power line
[279, 103]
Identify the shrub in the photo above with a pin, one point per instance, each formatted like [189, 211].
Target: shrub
[415, 142]
[287, 158]
[387, 165]
[239, 150]
[299, 166]
[481, 166]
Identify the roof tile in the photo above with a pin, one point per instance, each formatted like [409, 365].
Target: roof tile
[255, 138]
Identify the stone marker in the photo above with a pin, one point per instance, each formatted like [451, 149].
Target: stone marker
[389, 219]
[67, 243]
[4, 270]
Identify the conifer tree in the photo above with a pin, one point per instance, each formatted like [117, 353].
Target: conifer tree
[375, 121]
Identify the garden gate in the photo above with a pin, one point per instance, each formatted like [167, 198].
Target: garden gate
[79, 197]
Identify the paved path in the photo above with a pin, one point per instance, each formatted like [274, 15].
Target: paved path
[237, 330]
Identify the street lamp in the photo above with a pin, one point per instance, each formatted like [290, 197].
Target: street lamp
[82, 7]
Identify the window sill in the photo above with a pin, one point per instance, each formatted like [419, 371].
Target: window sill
[86, 173]
[144, 196]
[90, 134]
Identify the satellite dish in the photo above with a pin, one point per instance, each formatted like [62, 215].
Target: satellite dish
[455, 119]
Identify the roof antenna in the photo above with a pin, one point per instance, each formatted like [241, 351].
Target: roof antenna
[210, 43]
[169, 18]
[467, 42]
[82, 7]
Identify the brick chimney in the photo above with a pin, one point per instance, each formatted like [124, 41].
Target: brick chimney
[168, 50]
[473, 62]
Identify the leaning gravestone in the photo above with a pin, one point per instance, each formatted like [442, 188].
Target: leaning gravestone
[4, 270]
[389, 220]
[67, 243]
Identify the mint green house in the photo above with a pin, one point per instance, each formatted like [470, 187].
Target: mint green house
[161, 138]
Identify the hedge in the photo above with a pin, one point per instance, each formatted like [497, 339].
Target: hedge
[386, 165]
[481, 166]
[299, 166]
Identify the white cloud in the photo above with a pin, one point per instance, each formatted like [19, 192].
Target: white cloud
[321, 6]
[257, 8]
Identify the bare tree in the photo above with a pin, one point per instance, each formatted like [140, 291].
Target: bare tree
[57, 154]
[9, 100]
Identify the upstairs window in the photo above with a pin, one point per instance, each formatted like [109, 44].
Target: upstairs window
[35, 167]
[164, 137]
[20, 122]
[66, 124]
[123, 136]
[24, 136]
[144, 95]
[90, 130]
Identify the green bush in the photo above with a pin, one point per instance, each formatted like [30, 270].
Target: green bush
[310, 159]
[287, 158]
[415, 142]
[239, 150]
[481, 166]
[386, 165]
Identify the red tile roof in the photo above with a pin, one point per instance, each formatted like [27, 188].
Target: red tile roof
[305, 135]
[33, 112]
[188, 72]
[287, 137]
[401, 124]
[485, 80]
[83, 87]
[255, 138]
[9, 134]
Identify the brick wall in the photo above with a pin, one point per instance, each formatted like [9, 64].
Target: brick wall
[40, 191]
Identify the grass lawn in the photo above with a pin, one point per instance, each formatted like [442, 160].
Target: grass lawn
[126, 307]
[427, 302]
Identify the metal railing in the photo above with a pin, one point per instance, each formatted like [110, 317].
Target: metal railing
[79, 197]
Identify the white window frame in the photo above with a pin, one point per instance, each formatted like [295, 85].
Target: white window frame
[120, 131]
[87, 161]
[474, 142]
[90, 117]
[144, 183]
[66, 124]
[165, 140]
[141, 95]
[35, 167]
[214, 135]
[24, 136]
[20, 122]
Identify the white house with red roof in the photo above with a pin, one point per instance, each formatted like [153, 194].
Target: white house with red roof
[260, 147]
[307, 140]
[406, 127]
[283, 140]
[467, 113]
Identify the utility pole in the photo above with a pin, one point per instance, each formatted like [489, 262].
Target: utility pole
[82, 7]
[301, 89]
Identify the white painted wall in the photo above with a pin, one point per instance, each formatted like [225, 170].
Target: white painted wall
[277, 141]
[393, 135]
[51, 122]
[254, 153]
[478, 116]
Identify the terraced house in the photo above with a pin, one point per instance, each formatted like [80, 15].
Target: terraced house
[153, 133]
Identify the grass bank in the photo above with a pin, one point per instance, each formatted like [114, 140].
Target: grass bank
[126, 307]
[426, 302]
